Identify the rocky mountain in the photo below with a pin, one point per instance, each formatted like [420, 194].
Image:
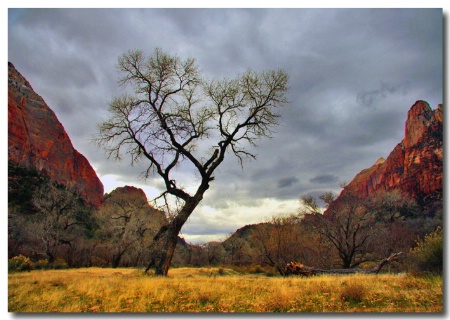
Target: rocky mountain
[129, 196]
[415, 166]
[37, 140]
[133, 200]
[244, 233]
[128, 192]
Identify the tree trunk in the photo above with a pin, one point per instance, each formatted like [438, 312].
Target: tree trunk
[346, 264]
[166, 254]
[165, 241]
[116, 259]
[50, 255]
[299, 269]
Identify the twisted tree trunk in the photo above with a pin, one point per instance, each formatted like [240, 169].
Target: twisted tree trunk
[165, 241]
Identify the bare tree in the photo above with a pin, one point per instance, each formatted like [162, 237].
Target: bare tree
[173, 112]
[236, 251]
[348, 229]
[215, 252]
[125, 223]
[60, 220]
[394, 212]
[278, 242]
[361, 230]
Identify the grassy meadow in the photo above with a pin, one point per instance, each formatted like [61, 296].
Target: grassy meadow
[218, 290]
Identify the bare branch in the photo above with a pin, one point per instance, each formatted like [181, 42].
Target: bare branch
[173, 111]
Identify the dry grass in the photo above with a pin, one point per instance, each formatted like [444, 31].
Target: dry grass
[214, 290]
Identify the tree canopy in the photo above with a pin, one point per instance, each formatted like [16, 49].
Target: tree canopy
[175, 116]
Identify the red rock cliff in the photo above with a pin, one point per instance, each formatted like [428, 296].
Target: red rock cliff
[415, 166]
[36, 139]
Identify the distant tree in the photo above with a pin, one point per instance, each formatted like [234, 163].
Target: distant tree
[61, 219]
[278, 242]
[189, 255]
[22, 183]
[361, 230]
[316, 251]
[236, 251]
[175, 116]
[428, 253]
[125, 224]
[215, 252]
[348, 229]
[17, 231]
[393, 213]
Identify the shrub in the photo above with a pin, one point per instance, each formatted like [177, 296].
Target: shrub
[221, 271]
[256, 269]
[271, 272]
[59, 263]
[98, 262]
[427, 255]
[20, 263]
[41, 264]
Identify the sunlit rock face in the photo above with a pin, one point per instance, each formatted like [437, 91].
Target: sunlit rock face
[415, 166]
[131, 197]
[37, 140]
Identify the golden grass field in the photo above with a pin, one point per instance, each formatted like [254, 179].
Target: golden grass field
[218, 290]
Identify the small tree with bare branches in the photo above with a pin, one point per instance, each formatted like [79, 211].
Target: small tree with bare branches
[348, 229]
[361, 230]
[60, 221]
[172, 112]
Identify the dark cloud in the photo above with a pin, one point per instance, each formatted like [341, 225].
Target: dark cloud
[324, 179]
[354, 74]
[287, 182]
[369, 98]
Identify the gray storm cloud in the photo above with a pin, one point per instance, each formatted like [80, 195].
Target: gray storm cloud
[354, 73]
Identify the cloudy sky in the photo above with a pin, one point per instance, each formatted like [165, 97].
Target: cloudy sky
[354, 74]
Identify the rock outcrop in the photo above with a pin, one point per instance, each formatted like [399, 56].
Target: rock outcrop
[415, 166]
[137, 195]
[129, 196]
[37, 140]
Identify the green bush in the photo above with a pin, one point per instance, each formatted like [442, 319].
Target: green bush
[20, 263]
[427, 255]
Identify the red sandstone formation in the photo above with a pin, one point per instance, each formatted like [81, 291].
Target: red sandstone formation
[415, 166]
[37, 140]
